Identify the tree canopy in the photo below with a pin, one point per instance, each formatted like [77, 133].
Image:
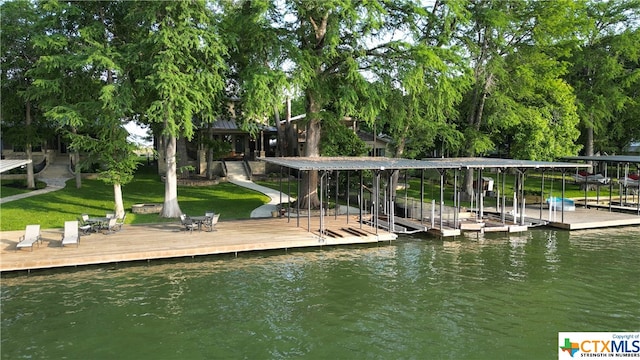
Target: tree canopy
[521, 78]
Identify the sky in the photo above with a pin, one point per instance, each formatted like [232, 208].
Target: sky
[137, 133]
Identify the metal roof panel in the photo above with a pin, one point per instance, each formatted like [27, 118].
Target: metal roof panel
[6, 165]
[607, 158]
[382, 163]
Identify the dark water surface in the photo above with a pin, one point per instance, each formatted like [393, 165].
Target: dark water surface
[487, 297]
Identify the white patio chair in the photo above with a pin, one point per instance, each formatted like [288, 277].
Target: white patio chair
[188, 223]
[211, 221]
[112, 226]
[120, 221]
[70, 235]
[30, 237]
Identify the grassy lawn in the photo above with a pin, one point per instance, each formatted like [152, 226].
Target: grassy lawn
[95, 198]
[14, 187]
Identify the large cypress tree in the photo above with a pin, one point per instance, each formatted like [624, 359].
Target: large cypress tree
[604, 68]
[175, 60]
[518, 98]
[83, 89]
[333, 51]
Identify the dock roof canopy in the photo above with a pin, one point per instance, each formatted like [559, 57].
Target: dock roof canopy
[6, 165]
[382, 163]
[607, 158]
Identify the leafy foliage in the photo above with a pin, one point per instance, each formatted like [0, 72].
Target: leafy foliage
[518, 78]
[338, 140]
[604, 68]
[519, 99]
[175, 59]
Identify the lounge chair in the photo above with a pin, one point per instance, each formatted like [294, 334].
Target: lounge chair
[30, 237]
[70, 235]
[629, 181]
[597, 179]
[188, 223]
[210, 221]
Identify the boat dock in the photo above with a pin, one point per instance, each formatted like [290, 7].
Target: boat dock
[442, 220]
[592, 217]
[168, 240]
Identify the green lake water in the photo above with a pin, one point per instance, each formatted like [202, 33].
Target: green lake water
[492, 296]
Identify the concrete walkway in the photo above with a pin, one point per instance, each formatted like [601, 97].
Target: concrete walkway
[266, 209]
[237, 176]
[55, 175]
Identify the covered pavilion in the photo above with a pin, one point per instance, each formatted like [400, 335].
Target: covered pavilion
[387, 167]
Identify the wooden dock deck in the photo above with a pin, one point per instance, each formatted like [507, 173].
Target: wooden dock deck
[168, 240]
[593, 218]
[581, 218]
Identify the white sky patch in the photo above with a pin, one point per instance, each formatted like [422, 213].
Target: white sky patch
[137, 133]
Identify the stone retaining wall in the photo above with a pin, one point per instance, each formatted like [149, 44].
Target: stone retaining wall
[146, 208]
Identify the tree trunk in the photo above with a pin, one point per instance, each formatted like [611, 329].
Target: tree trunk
[399, 152]
[31, 183]
[475, 119]
[291, 134]
[309, 189]
[280, 149]
[589, 150]
[468, 184]
[210, 153]
[309, 184]
[292, 139]
[117, 198]
[588, 146]
[182, 158]
[162, 155]
[310, 178]
[171, 208]
[483, 100]
[76, 160]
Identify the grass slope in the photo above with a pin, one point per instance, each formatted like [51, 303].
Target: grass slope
[95, 198]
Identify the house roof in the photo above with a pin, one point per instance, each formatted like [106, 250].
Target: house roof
[224, 125]
[232, 126]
